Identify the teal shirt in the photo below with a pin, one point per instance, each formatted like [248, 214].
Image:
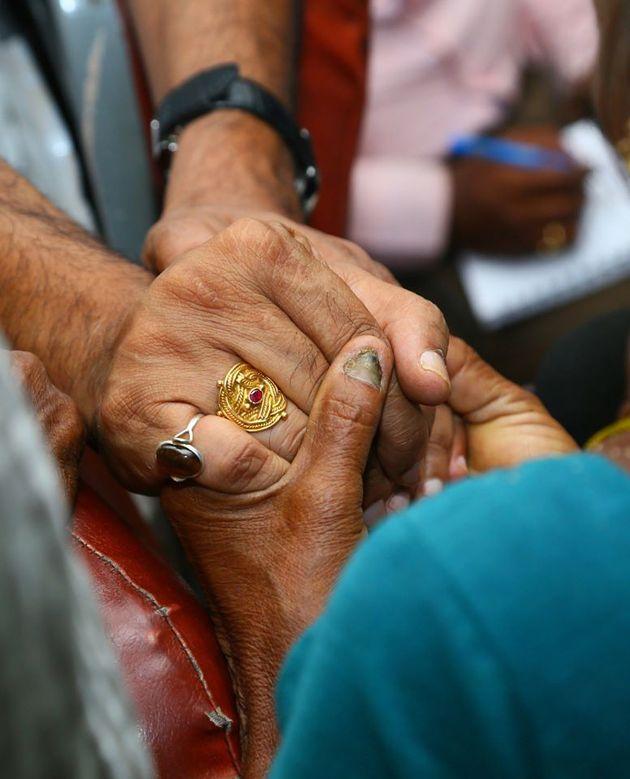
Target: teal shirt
[482, 633]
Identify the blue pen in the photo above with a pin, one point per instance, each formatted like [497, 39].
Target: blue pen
[515, 153]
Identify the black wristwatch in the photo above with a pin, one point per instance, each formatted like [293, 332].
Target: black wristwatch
[220, 88]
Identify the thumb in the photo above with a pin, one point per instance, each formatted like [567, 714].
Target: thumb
[478, 392]
[347, 412]
[506, 423]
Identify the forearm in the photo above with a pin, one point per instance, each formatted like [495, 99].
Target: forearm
[180, 39]
[263, 597]
[228, 157]
[64, 296]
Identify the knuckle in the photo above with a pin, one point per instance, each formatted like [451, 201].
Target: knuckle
[364, 326]
[347, 416]
[317, 370]
[27, 365]
[69, 422]
[435, 322]
[275, 251]
[203, 285]
[120, 409]
[162, 243]
[358, 256]
[290, 440]
[260, 237]
[242, 462]
[404, 430]
[409, 441]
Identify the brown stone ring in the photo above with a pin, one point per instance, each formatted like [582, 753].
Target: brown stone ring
[178, 457]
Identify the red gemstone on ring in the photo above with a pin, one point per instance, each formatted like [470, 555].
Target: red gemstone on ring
[256, 396]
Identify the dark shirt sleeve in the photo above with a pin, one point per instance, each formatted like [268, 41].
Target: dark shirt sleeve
[457, 637]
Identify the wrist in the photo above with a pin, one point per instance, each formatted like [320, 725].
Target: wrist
[76, 294]
[231, 159]
[124, 294]
[256, 625]
[263, 596]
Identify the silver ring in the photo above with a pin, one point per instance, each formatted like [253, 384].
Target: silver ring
[178, 457]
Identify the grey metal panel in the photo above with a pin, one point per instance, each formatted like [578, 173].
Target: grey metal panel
[34, 139]
[87, 46]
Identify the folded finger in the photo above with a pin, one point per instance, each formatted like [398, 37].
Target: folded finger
[439, 449]
[458, 468]
[347, 412]
[229, 460]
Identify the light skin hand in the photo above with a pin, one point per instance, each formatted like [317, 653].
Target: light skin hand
[269, 556]
[489, 423]
[230, 165]
[277, 308]
[198, 207]
[414, 326]
[70, 301]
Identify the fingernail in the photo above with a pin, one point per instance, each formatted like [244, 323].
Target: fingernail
[398, 502]
[374, 513]
[366, 367]
[459, 468]
[433, 487]
[433, 362]
[412, 477]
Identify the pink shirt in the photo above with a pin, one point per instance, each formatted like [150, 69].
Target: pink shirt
[439, 69]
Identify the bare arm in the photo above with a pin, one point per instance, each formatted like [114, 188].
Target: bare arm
[232, 155]
[230, 165]
[180, 39]
[63, 297]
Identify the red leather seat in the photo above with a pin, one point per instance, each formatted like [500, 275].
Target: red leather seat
[170, 658]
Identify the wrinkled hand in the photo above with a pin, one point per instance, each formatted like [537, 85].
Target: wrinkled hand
[57, 416]
[415, 327]
[504, 209]
[490, 422]
[270, 555]
[255, 293]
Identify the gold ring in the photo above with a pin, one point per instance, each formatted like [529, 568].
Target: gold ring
[554, 237]
[250, 399]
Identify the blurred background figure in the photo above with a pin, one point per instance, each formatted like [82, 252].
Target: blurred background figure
[511, 74]
[442, 69]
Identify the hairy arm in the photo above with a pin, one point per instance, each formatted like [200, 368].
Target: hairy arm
[228, 157]
[64, 297]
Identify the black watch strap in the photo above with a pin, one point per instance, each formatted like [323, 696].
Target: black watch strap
[223, 88]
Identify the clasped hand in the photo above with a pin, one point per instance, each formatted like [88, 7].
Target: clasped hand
[259, 293]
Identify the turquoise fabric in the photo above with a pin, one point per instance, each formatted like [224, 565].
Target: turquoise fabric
[482, 633]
